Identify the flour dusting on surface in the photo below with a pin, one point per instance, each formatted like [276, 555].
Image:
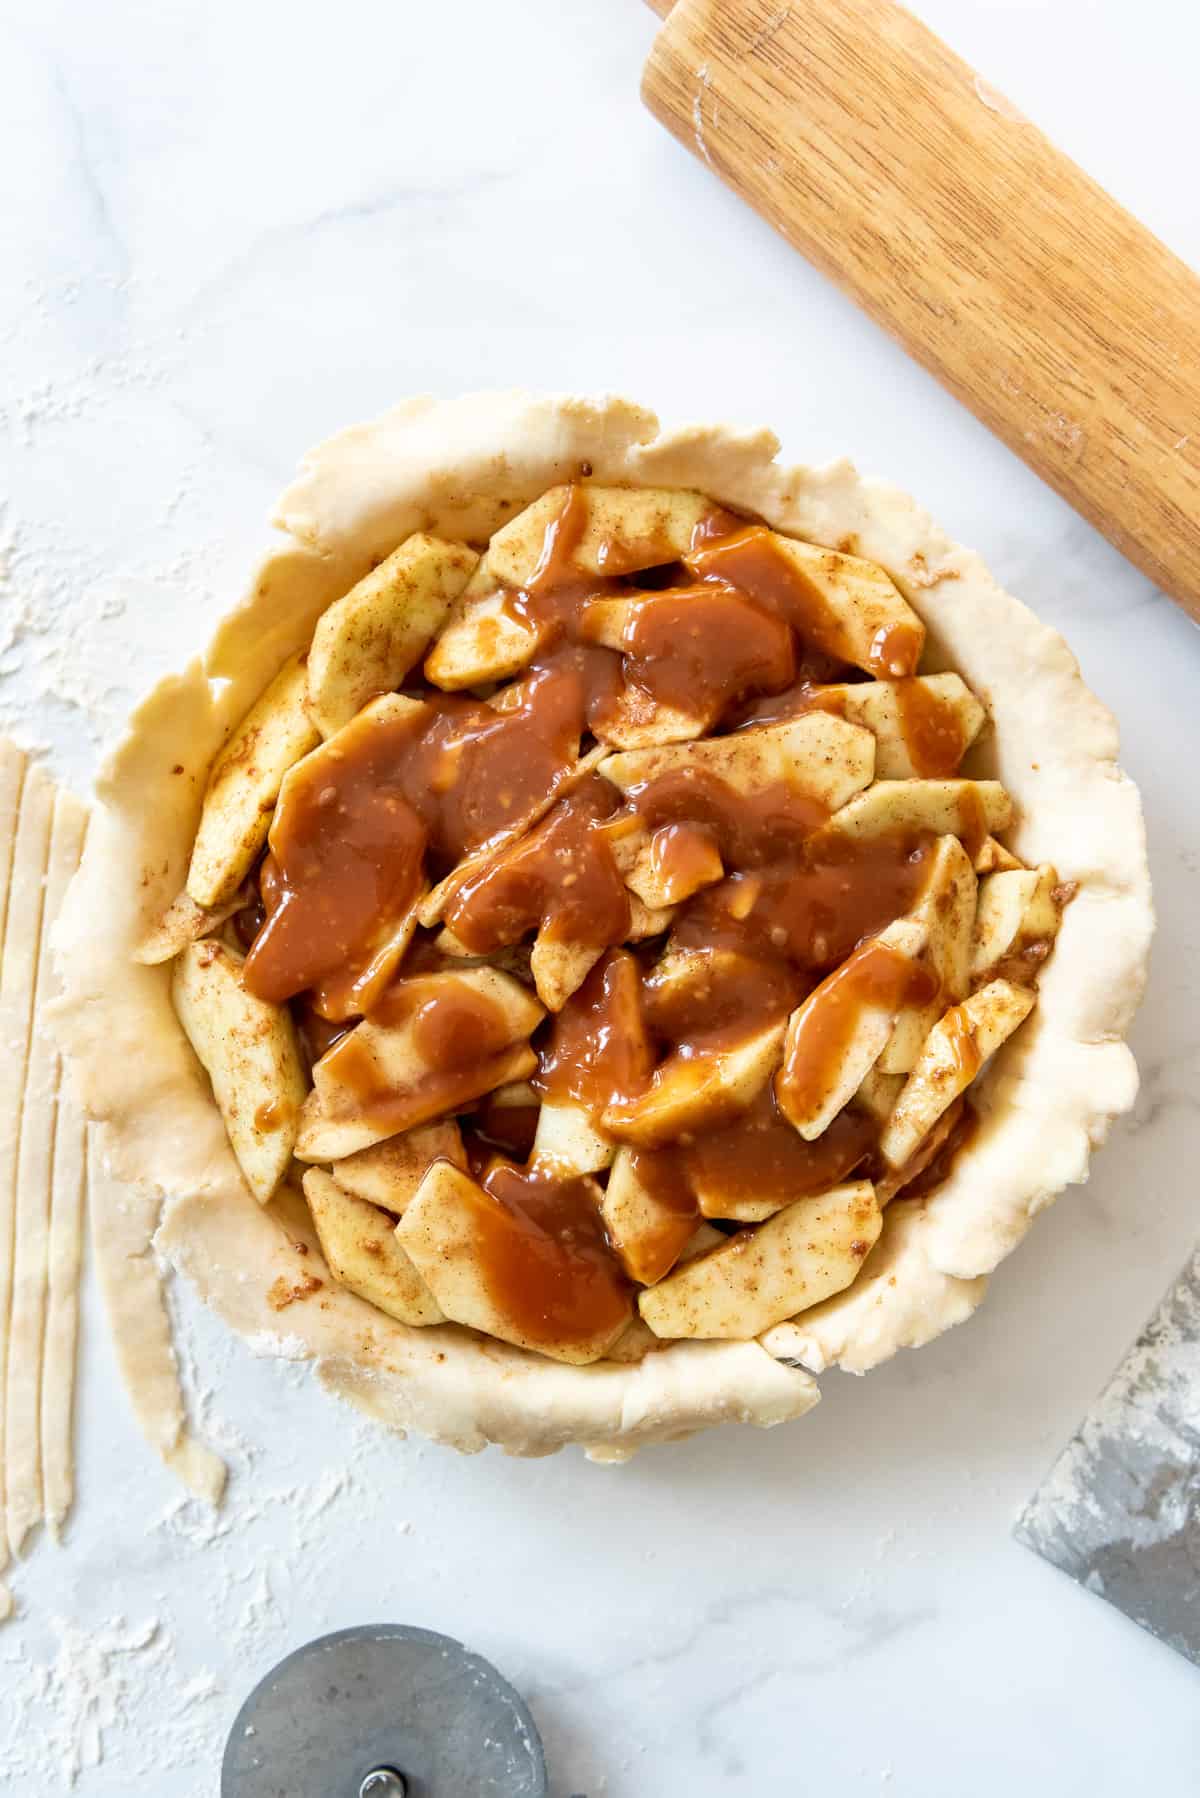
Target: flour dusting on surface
[88, 1683]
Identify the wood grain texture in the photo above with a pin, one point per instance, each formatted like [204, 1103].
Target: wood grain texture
[1063, 324]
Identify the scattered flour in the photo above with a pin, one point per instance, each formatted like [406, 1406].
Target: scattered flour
[87, 1686]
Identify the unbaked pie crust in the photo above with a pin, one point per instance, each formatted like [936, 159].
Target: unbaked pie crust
[459, 470]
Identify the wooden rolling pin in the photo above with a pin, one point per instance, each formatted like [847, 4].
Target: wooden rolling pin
[1044, 306]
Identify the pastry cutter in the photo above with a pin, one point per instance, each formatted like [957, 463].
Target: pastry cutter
[384, 1712]
[1120, 1509]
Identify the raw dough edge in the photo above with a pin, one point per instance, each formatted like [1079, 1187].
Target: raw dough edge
[461, 467]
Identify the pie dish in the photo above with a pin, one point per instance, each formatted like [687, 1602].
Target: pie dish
[611, 927]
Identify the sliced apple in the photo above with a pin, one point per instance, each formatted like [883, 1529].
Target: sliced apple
[691, 1092]
[994, 857]
[645, 922]
[703, 1238]
[359, 1244]
[760, 1276]
[380, 1078]
[837, 1035]
[182, 923]
[458, 1234]
[890, 712]
[639, 1340]
[634, 1343]
[945, 807]
[952, 1055]
[389, 1172]
[434, 905]
[821, 756]
[887, 1188]
[878, 1093]
[482, 640]
[244, 785]
[249, 1051]
[560, 969]
[633, 720]
[367, 641]
[568, 1142]
[845, 606]
[1017, 911]
[649, 1226]
[663, 868]
[945, 910]
[618, 530]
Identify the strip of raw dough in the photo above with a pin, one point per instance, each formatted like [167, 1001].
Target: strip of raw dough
[124, 1218]
[35, 1176]
[12, 775]
[62, 1317]
[28, 800]
[64, 1248]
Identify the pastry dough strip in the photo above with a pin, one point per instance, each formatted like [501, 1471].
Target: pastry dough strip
[65, 1232]
[35, 1174]
[124, 1218]
[28, 807]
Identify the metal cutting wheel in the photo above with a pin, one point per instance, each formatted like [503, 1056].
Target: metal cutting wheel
[384, 1712]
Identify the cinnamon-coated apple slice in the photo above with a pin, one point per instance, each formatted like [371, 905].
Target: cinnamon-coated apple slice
[244, 785]
[762, 1275]
[389, 1172]
[619, 530]
[367, 641]
[248, 1049]
[359, 1244]
[952, 1055]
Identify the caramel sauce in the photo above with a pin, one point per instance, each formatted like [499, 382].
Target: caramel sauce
[317, 1034]
[749, 830]
[760, 1156]
[598, 1047]
[685, 858]
[929, 724]
[355, 829]
[757, 1157]
[765, 907]
[961, 1039]
[477, 772]
[748, 559]
[659, 1248]
[808, 911]
[663, 1174]
[462, 1037]
[704, 647]
[720, 522]
[561, 878]
[345, 864]
[452, 1030]
[548, 1263]
[495, 1125]
[931, 729]
[972, 822]
[875, 975]
[723, 1002]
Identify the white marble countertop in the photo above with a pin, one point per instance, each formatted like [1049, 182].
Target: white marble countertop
[230, 229]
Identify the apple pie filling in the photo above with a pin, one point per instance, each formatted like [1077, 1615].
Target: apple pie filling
[603, 921]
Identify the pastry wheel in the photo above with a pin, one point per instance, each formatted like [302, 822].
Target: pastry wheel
[385, 1711]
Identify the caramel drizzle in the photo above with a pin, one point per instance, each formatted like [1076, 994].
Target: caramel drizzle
[738, 636]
